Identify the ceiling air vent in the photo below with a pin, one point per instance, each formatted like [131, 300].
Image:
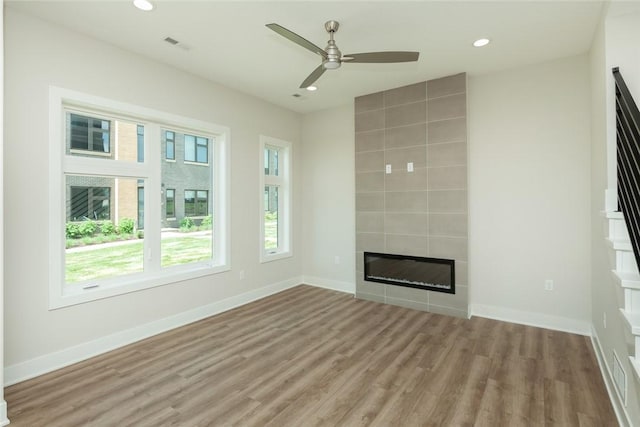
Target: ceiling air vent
[176, 43]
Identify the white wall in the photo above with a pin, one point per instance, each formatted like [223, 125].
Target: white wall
[38, 55]
[529, 194]
[529, 182]
[329, 198]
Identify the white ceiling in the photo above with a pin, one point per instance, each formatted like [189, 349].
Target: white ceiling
[229, 43]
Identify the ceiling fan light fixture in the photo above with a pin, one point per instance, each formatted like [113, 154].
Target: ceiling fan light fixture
[331, 65]
[145, 5]
[481, 42]
[312, 88]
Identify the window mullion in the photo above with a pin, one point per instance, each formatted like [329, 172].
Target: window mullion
[153, 199]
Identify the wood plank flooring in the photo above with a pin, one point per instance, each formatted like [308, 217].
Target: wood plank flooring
[313, 357]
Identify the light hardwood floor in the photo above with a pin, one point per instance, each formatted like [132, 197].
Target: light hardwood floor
[310, 356]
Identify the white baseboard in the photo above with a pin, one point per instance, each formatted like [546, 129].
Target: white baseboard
[614, 397]
[335, 285]
[539, 320]
[3, 413]
[50, 362]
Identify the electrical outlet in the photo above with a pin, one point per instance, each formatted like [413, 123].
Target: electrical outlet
[241, 274]
[410, 167]
[336, 260]
[387, 169]
[548, 285]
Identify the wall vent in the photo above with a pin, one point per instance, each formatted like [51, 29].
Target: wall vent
[176, 43]
[619, 378]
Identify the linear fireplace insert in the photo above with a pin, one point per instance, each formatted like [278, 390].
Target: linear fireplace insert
[433, 274]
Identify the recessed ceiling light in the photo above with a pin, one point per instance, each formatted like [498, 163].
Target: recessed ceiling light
[481, 42]
[311, 88]
[145, 5]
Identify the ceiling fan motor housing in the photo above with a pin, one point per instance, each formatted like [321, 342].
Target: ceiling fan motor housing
[333, 55]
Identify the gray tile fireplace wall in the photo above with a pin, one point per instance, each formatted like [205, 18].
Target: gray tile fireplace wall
[421, 212]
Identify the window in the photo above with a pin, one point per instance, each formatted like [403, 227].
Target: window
[196, 203]
[196, 149]
[170, 152]
[170, 203]
[87, 203]
[93, 196]
[275, 199]
[140, 204]
[140, 132]
[89, 133]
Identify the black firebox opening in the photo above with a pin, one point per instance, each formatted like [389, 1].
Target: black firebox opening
[433, 274]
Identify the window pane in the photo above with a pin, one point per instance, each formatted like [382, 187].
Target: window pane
[186, 225]
[170, 151]
[170, 204]
[141, 204]
[88, 133]
[271, 217]
[140, 143]
[96, 137]
[89, 203]
[201, 203]
[100, 231]
[202, 150]
[189, 148]
[189, 203]
[193, 242]
[202, 154]
[271, 161]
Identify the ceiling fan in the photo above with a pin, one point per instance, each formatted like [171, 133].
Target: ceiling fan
[332, 58]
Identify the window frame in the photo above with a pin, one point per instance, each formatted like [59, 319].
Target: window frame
[196, 145]
[173, 145]
[283, 182]
[91, 198]
[90, 143]
[173, 203]
[62, 163]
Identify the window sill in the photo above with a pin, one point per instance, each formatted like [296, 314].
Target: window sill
[75, 294]
[89, 152]
[268, 256]
[170, 160]
[195, 163]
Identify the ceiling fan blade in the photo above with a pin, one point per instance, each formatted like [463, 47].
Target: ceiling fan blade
[315, 75]
[378, 57]
[288, 34]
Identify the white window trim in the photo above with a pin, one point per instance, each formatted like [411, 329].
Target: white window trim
[285, 216]
[187, 162]
[61, 100]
